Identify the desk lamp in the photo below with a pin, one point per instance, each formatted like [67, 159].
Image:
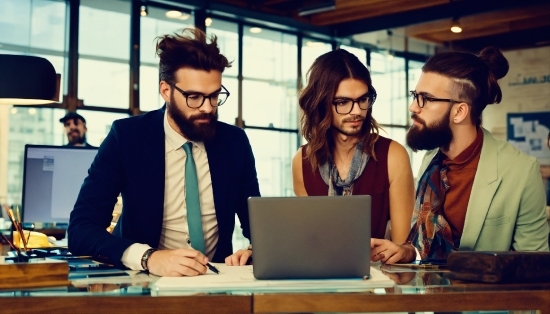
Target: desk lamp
[27, 80]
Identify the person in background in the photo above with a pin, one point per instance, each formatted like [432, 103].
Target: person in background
[345, 155]
[474, 193]
[183, 175]
[75, 128]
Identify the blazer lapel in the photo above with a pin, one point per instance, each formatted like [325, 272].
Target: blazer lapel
[485, 185]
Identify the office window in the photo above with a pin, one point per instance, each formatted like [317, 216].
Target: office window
[154, 25]
[270, 86]
[35, 28]
[28, 125]
[98, 124]
[311, 49]
[388, 78]
[227, 34]
[360, 53]
[104, 49]
[273, 152]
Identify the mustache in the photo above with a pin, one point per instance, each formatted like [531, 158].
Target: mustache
[354, 118]
[415, 117]
[202, 116]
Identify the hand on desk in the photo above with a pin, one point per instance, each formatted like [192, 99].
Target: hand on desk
[390, 253]
[238, 258]
[179, 262]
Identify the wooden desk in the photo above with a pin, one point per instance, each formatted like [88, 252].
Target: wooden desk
[423, 291]
[436, 302]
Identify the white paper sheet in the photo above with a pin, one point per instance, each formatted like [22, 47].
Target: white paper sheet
[241, 279]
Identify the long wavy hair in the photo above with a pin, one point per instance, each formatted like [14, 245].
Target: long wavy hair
[324, 77]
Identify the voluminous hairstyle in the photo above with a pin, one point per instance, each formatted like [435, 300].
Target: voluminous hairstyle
[189, 49]
[475, 77]
[324, 77]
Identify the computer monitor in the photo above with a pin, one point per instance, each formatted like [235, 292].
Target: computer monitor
[52, 179]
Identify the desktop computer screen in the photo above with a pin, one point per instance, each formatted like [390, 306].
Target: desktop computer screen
[52, 179]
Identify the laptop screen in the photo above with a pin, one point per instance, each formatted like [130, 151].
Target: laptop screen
[52, 179]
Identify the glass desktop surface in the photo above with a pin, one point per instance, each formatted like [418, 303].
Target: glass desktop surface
[407, 281]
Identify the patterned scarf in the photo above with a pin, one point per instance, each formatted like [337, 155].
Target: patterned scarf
[431, 234]
[329, 173]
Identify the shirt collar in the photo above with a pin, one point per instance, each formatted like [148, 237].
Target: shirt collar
[174, 140]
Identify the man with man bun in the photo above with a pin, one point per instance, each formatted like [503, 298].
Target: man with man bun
[474, 193]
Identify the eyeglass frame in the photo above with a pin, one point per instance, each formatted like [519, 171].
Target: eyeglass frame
[426, 98]
[186, 95]
[369, 95]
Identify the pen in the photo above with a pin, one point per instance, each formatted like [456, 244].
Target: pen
[212, 268]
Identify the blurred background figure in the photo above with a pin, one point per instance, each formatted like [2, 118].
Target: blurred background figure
[75, 128]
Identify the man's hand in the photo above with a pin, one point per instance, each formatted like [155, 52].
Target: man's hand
[238, 258]
[390, 253]
[175, 263]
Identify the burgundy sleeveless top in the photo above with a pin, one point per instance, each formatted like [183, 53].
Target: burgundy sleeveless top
[373, 181]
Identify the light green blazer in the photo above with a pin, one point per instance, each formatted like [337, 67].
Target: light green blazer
[507, 206]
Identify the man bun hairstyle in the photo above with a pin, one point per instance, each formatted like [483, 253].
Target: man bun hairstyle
[475, 77]
[190, 49]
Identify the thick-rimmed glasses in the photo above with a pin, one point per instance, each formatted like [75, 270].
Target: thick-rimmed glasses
[422, 98]
[196, 100]
[345, 105]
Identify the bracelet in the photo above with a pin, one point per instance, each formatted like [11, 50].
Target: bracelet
[145, 258]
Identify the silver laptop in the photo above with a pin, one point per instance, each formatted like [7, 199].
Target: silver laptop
[314, 237]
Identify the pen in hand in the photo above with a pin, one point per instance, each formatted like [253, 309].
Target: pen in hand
[212, 268]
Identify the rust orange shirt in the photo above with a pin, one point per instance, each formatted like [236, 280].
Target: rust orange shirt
[460, 175]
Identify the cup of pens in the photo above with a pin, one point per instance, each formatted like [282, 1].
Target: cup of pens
[20, 237]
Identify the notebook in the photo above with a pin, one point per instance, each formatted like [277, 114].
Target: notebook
[315, 237]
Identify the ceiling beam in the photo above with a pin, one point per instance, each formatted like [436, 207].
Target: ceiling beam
[351, 10]
[438, 12]
[477, 21]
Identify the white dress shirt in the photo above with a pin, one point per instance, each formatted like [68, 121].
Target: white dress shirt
[175, 231]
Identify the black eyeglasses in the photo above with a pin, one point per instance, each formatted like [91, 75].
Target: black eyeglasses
[345, 105]
[422, 98]
[196, 100]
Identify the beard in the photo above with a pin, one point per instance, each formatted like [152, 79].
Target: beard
[76, 139]
[351, 131]
[194, 132]
[439, 134]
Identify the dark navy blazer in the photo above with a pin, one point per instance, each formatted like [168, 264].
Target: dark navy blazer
[131, 161]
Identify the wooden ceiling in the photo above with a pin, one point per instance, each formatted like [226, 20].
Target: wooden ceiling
[508, 24]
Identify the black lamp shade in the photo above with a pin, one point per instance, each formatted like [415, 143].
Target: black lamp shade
[27, 80]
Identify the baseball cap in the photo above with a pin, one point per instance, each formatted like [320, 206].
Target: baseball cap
[72, 115]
